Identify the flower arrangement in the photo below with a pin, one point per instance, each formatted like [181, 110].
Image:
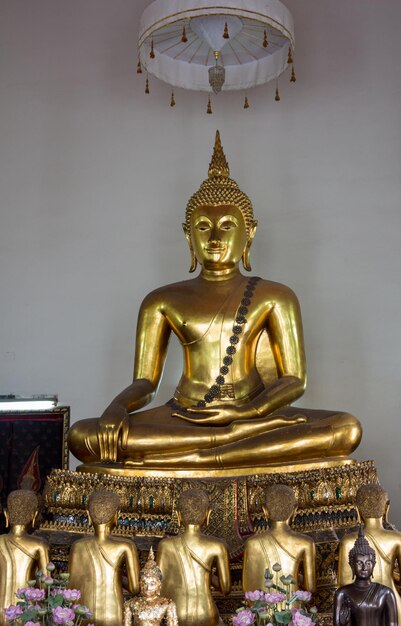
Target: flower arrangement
[46, 601]
[282, 604]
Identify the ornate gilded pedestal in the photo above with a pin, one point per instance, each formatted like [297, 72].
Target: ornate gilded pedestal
[326, 510]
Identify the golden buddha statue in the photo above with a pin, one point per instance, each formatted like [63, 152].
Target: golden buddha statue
[372, 504]
[21, 554]
[243, 361]
[363, 602]
[95, 562]
[279, 545]
[150, 608]
[186, 562]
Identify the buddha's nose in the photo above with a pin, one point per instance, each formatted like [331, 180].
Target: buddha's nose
[214, 235]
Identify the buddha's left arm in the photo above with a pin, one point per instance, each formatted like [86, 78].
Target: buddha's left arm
[43, 556]
[310, 567]
[171, 614]
[284, 328]
[132, 564]
[223, 570]
[391, 606]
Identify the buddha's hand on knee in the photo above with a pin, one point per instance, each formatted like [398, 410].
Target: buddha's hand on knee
[216, 414]
[112, 424]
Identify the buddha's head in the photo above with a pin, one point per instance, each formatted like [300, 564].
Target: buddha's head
[280, 503]
[219, 224]
[372, 501]
[150, 579]
[362, 557]
[193, 507]
[22, 507]
[103, 508]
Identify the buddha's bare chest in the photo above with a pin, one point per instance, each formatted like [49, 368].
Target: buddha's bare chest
[213, 321]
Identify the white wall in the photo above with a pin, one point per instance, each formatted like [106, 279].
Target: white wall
[95, 176]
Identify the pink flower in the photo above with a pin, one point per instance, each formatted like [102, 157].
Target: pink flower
[254, 595]
[301, 620]
[20, 593]
[32, 624]
[34, 595]
[62, 615]
[274, 597]
[71, 595]
[303, 596]
[12, 612]
[244, 618]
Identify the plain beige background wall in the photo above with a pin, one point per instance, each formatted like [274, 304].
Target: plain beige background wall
[95, 176]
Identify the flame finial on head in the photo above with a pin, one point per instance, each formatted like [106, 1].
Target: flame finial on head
[150, 569]
[218, 165]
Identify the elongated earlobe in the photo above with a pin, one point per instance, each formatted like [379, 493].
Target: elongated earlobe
[194, 262]
[7, 518]
[246, 253]
[208, 514]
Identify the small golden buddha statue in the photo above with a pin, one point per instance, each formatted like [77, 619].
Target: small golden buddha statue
[372, 504]
[21, 554]
[95, 562]
[363, 602]
[186, 562]
[243, 361]
[279, 545]
[150, 608]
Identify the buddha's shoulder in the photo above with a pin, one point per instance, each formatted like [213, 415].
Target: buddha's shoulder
[274, 290]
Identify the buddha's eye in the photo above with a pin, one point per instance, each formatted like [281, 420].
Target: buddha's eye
[228, 225]
[202, 226]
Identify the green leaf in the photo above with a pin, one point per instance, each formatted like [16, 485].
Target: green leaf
[282, 617]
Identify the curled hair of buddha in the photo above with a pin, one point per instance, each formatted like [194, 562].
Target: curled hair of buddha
[22, 505]
[102, 506]
[150, 569]
[280, 502]
[362, 547]
[193, 506]
[371, 500]
[220, 189]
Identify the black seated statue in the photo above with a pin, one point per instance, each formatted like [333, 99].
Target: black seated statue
[363, 602]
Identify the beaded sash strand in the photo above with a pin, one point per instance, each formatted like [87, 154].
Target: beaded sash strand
[239, 322]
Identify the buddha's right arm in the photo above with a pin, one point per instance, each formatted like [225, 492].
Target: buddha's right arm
[152, 335]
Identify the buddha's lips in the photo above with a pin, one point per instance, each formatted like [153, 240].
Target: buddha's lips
[215, 249]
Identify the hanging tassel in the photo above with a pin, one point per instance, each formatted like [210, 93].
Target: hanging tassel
[265, 42]
[152, 52]
[290, 59]
[277, 97]
[209, 107]
[225, 34]
[293, 77]
[184, 37]
[139, 67]
[172, 101]
[246, 103]
[147, 85]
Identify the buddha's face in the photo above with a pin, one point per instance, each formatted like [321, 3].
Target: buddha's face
[150, 586]
[363, 566]
[218, 236]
